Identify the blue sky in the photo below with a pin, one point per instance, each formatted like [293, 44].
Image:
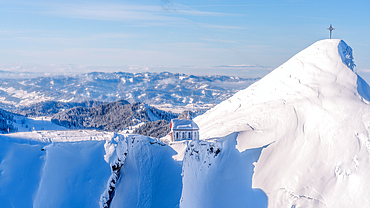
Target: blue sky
[244, 38]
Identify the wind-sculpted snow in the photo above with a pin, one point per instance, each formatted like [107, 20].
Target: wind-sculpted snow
[215, 174]
[363, 89]
[314, 112]
[149, 177]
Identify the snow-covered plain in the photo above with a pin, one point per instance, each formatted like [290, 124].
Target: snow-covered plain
[313, 114]
[24, 124]
[299, 137]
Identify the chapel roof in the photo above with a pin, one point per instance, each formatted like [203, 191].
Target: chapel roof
[183, 124]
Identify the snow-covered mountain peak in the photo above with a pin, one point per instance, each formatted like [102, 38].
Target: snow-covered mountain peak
[313, 116]
[323, 69]
[320, 74]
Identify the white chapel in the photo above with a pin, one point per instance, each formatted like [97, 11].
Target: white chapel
[184, 129]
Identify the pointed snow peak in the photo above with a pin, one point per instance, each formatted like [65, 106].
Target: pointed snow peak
[310, 116]
[324, 56]
[322, 67]
[320, 74]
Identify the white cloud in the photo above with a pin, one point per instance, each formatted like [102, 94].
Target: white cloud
[363, 70]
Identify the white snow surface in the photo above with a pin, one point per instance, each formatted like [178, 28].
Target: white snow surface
[313, 113]
[75, 169]
[215, 174]
[38, 173]
[35, 123]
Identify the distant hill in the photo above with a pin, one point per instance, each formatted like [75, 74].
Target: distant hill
[49, 108]
[151, 88]
[114, 116]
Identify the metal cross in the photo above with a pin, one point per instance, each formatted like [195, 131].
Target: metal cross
[331, 29]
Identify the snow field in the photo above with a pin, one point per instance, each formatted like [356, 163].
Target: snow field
[24, 124]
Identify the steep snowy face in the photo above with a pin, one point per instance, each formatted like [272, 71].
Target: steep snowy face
[314, 115]
[85, 168]
[215, 174]
[317, 76]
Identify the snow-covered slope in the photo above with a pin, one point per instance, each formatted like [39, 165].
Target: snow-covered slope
[36, 172]
[313, 113]
[215, 174]
[84, 168]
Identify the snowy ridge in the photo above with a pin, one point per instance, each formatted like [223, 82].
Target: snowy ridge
[314, 112]
[118, 146]
[63, 136]
[315, 74]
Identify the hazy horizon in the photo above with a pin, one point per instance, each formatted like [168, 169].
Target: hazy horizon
[206, 37]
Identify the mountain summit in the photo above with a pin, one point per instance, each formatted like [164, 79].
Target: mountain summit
[312, 114]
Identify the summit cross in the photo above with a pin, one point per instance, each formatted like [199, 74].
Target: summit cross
[331, 29]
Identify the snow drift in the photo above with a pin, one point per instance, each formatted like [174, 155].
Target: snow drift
[313, 113]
